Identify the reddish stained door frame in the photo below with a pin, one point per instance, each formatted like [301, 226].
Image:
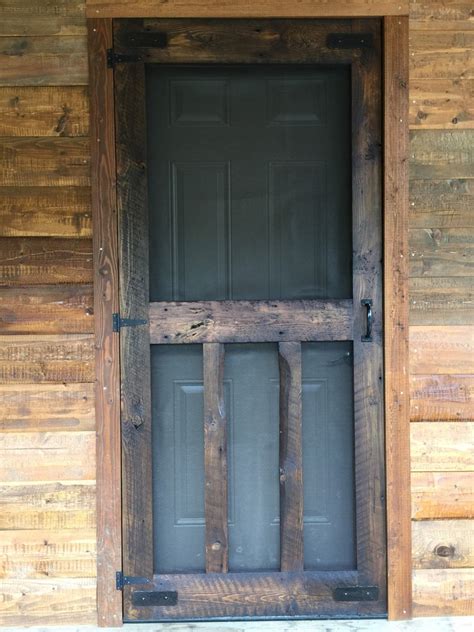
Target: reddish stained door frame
[106, 275]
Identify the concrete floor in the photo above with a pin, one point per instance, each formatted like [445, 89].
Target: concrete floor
[447, 624]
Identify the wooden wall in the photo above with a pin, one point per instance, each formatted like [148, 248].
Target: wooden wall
[47, 467]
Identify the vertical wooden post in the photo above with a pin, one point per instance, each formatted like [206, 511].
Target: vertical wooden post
[291, 458]
[397, 418]
[215, 459]
[105, 244]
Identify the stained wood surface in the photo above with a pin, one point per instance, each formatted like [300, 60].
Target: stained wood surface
[245, 8]
[441, 203]
[35, 505]
[47, 407]
[441, 15]
[44, 111]
[396, 315]
[442, 397]
[47, 309]
[43, 17]
[442, 592]
[215, 460]
[442, 350]
[442, 300]
[442, 495]
[443, 544]
[442, 103]
[441, 55]
[452, 450]
[44, 161]
[441, 154]
[442, 252]
[45, 211]
[250, 321]
[106, 302]
[291, 457]
[57, 359]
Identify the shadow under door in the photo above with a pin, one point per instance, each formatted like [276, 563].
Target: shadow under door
[251, 339]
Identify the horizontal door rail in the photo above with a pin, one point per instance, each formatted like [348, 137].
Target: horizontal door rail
[250, 321]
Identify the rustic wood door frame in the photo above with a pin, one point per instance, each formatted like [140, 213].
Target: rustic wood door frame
[106, 303]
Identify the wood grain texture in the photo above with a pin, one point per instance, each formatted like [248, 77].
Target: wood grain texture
[442, 300]
[47, 309]
[57, 359]
[442, 495]
[36, 61]
[445, 103]
[27, 602]
[244, 8]
[441, 203]
[441, 252]
[445, 15]
[47, 456]
[442, 350]
[106, 302]
[44, 161]
[442, 592]
[54, 506]
[44, 111]
[442, 446]
[442, 397]
[443, 544]
[47, 407]
[396, 308]
[45, 212]
[291, 457]
[436, 154]
[42, 17]
[36, 554]
[441, 55]
[250, 321]
[215, 460]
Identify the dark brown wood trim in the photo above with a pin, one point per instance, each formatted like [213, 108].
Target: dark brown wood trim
[396, 257]
[291, 457]
[215, 459]
[107, 398]
[250, 321]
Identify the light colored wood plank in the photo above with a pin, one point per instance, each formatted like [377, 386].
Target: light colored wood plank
[244, 8]
[442, 54]
[396, 314]
[442, 397]
[442, 495]
[442, 446]
[57, 359]
[441, 252]
[44, 111]
[445, 103]
[250, 321]
[436, 154]
[443, 544]
[443, 592]
[441, 203]
[445, 14]
[25, 602]
[42, 17]
[44, 162]
[47, 456]
[47, 309]
[442, 301]
[47, 407]
[31, 554]
[53, 506]
[44, 260]
[36, 61]
[441, 350]
[45, 212]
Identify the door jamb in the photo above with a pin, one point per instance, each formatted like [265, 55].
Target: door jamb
[106, 295]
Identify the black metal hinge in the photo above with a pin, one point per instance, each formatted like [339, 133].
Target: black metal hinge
[350, 40]
[356, 593]
[118, 322]
[155, 598]
[122, 580]
[114, 58]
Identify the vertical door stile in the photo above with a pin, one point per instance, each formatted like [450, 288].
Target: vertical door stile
[291, 458]
[215, 460]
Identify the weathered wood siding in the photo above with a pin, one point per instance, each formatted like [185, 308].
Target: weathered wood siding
[47, 466]
[47, 426]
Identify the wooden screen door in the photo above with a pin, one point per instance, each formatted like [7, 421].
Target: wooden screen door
[249, 188]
